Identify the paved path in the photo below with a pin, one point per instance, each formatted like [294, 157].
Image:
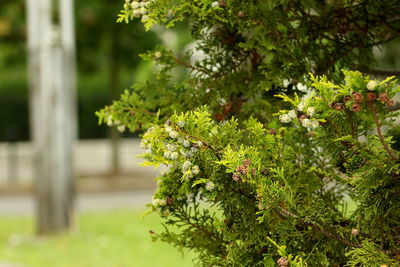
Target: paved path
[24, 205]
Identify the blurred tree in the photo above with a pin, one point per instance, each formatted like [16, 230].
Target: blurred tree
[102, 51]
[52, 85]
[95, 39]
[12, 54]
[12, 32]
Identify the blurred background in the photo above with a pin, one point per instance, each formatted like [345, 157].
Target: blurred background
[111, 188]
[107, 63]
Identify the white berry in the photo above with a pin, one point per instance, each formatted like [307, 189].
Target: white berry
[371, 85]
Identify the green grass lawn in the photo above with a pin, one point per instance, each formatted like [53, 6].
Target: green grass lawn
[107, 239]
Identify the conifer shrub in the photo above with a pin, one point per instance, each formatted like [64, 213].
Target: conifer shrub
[275, 141]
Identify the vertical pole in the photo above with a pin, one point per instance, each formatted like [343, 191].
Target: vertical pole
[12, 155]
[52, 82]
[68, 85]
[38, 24]
[115, 137]
[12, 164]
[114, 76]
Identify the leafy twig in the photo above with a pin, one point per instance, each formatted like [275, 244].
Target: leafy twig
[379, 72]
[380, 134]
[287, 214]
[186, 218]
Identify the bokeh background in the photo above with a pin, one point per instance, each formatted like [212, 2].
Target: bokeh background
[107, 63]
[112, 188]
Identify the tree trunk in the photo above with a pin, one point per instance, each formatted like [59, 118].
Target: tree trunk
[114, 76]
[52, 84]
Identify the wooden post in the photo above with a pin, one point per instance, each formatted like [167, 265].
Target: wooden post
[12, 155]
[52, 84]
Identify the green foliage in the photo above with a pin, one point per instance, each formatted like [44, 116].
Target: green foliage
[368, 255]
[259, 165]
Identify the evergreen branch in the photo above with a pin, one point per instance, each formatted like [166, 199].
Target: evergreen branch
[188, 65]
[390, 26]
[380, 134]
[132, 111]
[379, 72]
[392, 252]
[194, 137]
[387, 39]
[381, 228]
[394, 108]
[237, 65]
[394, 19]
[206, 144]
[217, 75]
[196, 68]
[186, 218]
[287, 214]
